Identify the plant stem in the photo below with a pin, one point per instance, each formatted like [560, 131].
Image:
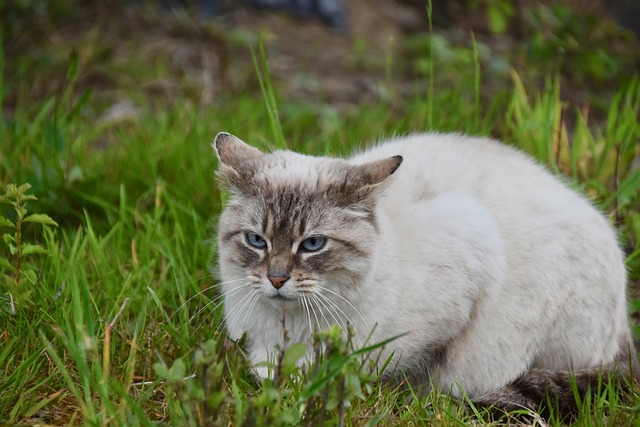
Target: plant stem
[18, 243]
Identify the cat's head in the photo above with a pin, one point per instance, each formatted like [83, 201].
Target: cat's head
[296, 224]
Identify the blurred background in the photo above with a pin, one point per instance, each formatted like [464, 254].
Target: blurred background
[135, 55]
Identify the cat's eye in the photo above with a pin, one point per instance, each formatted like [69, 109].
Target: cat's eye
[255, 240]
[313, 244]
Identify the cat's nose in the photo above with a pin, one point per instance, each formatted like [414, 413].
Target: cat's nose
[278, 281]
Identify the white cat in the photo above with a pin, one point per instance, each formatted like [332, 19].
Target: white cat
[502, 279]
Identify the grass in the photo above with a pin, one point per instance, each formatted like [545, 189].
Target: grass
[115, 323]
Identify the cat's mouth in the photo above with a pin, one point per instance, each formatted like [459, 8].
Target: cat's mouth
[278, 296]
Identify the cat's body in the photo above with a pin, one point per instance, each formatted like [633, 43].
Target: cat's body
[489, 266]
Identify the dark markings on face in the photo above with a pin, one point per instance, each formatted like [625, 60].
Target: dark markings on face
[285, 212]
[322, 262]
[353, 249]
[287, 207]
[228, 236]
[247, 256]
[265, 221]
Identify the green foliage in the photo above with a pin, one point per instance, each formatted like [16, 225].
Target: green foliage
[579, 45]
[19, 275]
[335, 381]
[499, 12]
[268, 94]
[51, 162]
[600, 160]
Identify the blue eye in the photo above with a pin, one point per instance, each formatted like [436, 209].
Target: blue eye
[255, 240]
[313, 244]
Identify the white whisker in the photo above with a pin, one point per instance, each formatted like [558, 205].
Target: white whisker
[213, 310]
[315, 316]
[337, 310]
[306, 306]
[344, 325]
[250, 308]
[330, 308]
[238, 309]
[348, 302]
[220, 296]
[189, 300]
[322, 305]
[201, 292]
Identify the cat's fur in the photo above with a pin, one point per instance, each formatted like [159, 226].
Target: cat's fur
[501, 278]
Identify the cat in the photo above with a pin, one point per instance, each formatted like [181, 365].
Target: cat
[498, 281]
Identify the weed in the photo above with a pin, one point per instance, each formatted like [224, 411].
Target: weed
[21, 278]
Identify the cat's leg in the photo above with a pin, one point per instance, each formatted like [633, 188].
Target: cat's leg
[492, 351]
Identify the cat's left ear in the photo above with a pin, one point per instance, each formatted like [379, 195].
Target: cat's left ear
[233, 152]
[373, 173]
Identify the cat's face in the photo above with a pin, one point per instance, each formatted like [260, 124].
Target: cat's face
[296, 225]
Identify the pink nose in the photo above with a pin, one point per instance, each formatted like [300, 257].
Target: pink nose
[278, 281]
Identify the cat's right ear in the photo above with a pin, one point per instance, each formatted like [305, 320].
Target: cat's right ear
[233, 152]
[234, 172]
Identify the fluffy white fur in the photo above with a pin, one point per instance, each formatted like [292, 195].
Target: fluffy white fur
[490, 265]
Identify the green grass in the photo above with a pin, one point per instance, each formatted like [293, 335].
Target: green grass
[115, 325]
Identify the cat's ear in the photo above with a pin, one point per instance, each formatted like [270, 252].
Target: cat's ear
[233, 155]
[233, 152]
[371, 174]
[366, 179]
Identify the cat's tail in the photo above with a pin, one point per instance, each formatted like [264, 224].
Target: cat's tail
[545, 392]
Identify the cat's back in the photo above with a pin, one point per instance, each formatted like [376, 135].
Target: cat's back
[438, 163]
[501, 178]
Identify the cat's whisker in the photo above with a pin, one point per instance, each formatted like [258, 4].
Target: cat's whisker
[314, 300]
[208, 315]
[251, 306]
[190, 299]
[315, 316]
[331, 309]
[226, 282]
[247, 309]
[205, 290]
[323, 307]
[348, 303]
[198, 280]
[213, 301]
[238, 309]
[241, 307]
[217, 298]
[211, 311]
[306, 306]
[344, 325]
[229, 318]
